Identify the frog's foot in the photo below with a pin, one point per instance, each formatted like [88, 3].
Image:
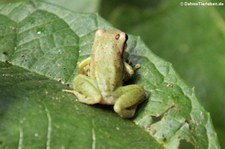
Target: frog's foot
[126, 112]
[129, 70]
[136, 67]
[130, 97]
[83, 98]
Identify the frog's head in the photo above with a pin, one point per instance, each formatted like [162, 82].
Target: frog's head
[115, 38]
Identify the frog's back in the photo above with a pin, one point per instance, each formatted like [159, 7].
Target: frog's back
[108, 69]
[107, 59]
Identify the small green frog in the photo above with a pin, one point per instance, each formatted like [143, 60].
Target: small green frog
[101, 76]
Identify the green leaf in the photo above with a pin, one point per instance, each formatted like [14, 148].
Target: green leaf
[43, 43]
[77, 5]
[192, 38]
[35, 113]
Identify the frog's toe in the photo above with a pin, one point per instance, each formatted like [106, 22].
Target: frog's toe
[124, 113]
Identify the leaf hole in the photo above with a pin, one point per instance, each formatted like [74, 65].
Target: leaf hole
[185, 145]
[5, 53]
[157, 118]
[164, 138]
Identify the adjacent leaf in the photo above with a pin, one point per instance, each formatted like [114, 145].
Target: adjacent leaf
[34, 112]
[46, 42]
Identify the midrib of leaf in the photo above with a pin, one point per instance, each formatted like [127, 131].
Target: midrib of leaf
[84, 35]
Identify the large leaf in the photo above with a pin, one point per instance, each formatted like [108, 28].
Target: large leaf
[192, 38]
[46, 42]
[36, 114]
[77, 5]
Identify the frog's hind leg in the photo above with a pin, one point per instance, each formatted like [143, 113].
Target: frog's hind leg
[85, 89]
[129, 97]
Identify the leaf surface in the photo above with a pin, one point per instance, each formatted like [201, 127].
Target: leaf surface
[43, 43]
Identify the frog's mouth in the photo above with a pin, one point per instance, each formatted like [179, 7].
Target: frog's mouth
[124, 46]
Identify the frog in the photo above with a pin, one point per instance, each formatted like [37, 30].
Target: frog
[101, 76]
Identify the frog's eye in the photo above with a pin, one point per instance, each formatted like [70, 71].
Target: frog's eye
[117, 36]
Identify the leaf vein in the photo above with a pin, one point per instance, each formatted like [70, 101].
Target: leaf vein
[49, 129]
[93, 139]
[20, 138]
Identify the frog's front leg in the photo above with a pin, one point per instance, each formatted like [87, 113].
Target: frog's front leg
[128, 98]
[85, 89]
[129, 70]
